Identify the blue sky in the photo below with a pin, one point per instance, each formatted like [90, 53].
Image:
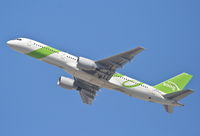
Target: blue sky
[31, 104]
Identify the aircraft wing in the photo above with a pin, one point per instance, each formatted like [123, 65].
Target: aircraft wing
[86, 90]
[117, 61]
[109, 65]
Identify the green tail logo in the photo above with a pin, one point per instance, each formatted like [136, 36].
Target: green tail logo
[171, 85]
[174, 84]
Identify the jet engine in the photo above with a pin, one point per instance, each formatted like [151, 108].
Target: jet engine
[66, 83]
[86, 64]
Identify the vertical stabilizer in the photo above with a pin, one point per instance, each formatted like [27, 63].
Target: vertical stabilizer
[169, 108]
[174, 84]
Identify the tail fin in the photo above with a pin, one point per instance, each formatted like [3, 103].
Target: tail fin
[174, 84]
[169, 108]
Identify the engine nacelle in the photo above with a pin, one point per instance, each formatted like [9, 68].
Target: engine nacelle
[86, 64]
[66, 83]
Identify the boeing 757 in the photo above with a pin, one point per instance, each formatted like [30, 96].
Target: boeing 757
[89, 75]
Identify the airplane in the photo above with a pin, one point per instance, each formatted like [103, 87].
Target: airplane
[89, 75]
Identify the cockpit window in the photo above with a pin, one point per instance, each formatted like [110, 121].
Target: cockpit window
[19, 39]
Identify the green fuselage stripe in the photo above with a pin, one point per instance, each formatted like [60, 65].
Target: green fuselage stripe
[118, 75]
[43, 52]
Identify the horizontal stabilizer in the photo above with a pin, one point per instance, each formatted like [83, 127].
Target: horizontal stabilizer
[178, 95]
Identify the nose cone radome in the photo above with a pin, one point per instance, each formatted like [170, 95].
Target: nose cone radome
[15, 45]
[19, 45]
[11, 43]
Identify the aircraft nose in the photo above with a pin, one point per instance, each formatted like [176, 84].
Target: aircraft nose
[10, 43]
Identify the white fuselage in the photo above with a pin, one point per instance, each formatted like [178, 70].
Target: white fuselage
[69, 62]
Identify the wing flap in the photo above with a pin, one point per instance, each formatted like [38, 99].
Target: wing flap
[87, 96]
[86, 90]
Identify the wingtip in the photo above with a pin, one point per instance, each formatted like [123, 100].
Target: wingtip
[191, 91]
[140, 47]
